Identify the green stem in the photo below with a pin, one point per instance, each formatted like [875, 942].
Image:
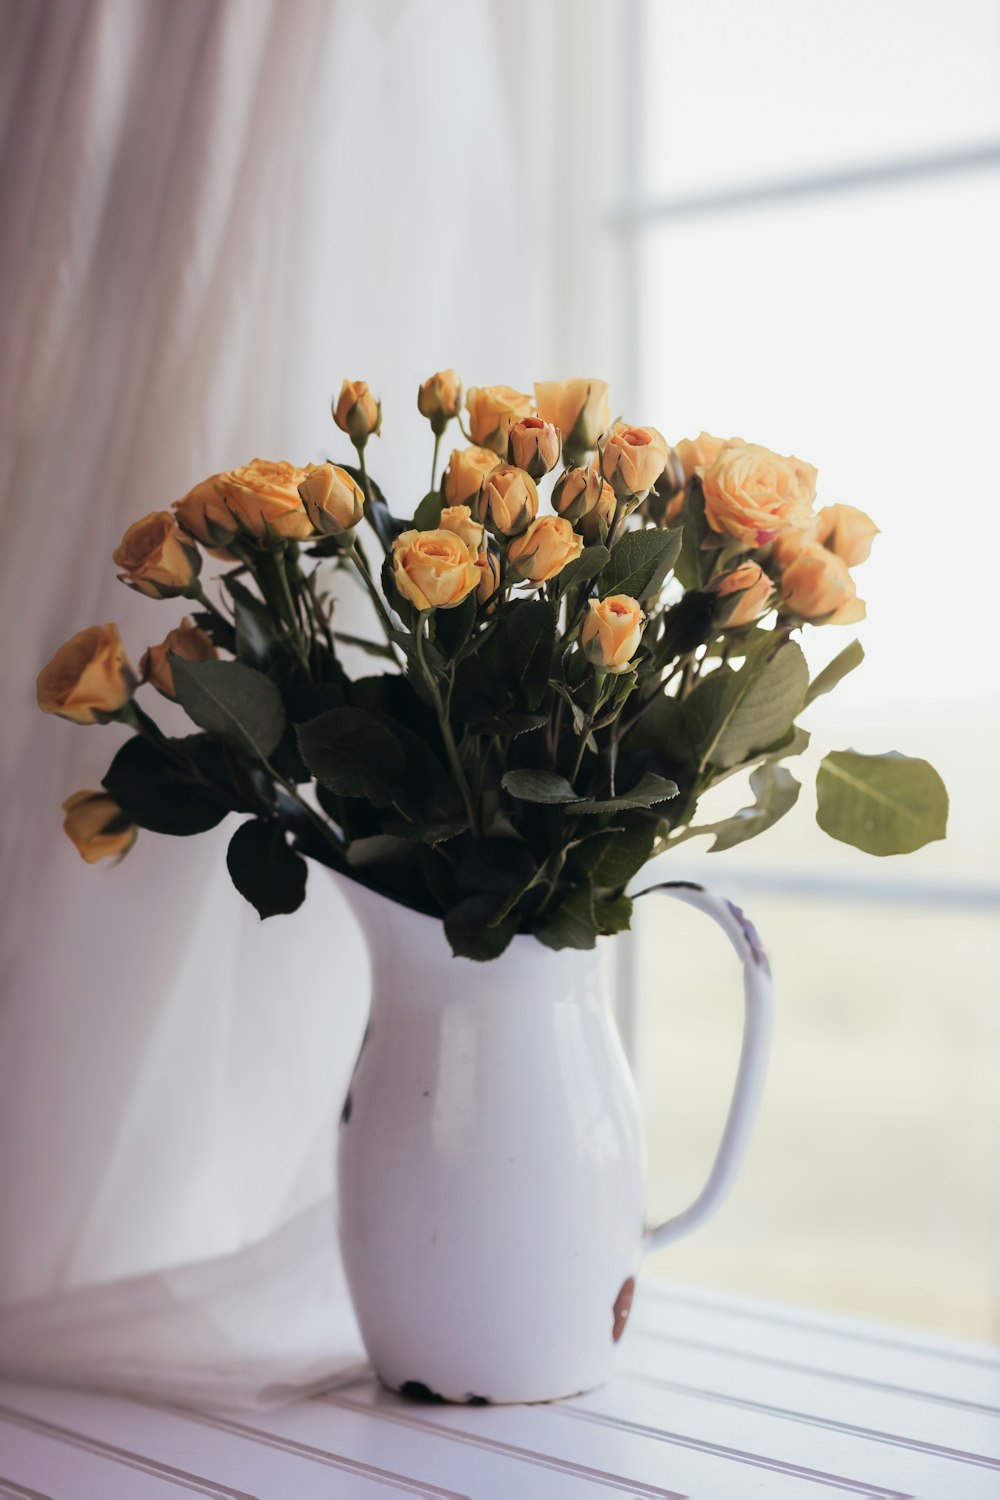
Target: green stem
[357, 558]
[588, 725]
[451, 749]
[434, 460]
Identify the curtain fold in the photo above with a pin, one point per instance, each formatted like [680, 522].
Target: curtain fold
[210, 212]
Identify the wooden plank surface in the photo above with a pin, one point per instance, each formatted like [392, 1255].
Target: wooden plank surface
[715, 1398]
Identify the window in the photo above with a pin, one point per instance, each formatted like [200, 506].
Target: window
[811, 228]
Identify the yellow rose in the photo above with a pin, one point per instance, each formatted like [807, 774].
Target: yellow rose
[632, 458]
[97, 826]
[265, 494]
[203, 513]
[186, 641]
[458, 519]
[754, 495]
[595, 523]
[753, 589]
[467, 468]
[493, 410]
[534, 446]
[440, 398]
[334, 502]
[358, 412]
[611, 632]
[700, 452]
[156, 557]
[434, 569]
[818, 586]
[578, 408]
[89, 679]
[489, 578]
[507, 501]
[847, 532]
[542, 551]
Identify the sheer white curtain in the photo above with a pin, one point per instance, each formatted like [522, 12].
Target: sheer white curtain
[210, 211]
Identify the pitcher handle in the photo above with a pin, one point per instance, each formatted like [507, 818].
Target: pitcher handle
[758, 1015]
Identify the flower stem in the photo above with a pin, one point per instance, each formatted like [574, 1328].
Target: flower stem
[451, 749]
[434, 460]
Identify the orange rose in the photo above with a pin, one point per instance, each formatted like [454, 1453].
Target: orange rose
[204, 514]
[818, 586]
[358, 412]
[334, 502]
[434, 569]
[156, 557]
[754, 495]
[493, 410]
[752, 588]
[578, 408]
[632, 459]
[542, 551]
[595, 523]
[89, 679]
[700, 452]
[458, 518]
[264, 495]
[439, 399]
[847, 532]
[467, 468]
[507, 501]
[611, 632]
[489, 580]
[97, 826]
[186, 641]
[534, 446]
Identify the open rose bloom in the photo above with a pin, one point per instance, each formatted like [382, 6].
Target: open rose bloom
[571, 638]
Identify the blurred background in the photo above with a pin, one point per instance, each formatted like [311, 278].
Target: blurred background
[779, 220]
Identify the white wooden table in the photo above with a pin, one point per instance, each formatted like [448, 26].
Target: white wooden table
[716, 1397]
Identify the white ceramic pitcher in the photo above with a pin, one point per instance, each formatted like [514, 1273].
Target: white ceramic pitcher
[491, 1160]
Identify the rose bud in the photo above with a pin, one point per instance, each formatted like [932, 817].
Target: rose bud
[611, 632]
[156, 557]
[458, 519]
[89, 680]
[542, 551]
[263, 498]
[186, 641]
[746, 592]
[97, 826]
[439, 399]
[632, 459]
[818, 586]
[493, 410]
[847, 532]
[595, 523]
[203, 514]
[534, 446]
[578, 408]
[755, 495]
[507, 501]
[467, 468]
[358, 412]
[489, 578]
[433, 569]
[699, 453]
[334, 502]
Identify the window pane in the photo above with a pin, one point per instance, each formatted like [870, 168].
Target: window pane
[736, 92]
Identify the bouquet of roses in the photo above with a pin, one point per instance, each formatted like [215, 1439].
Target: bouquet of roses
[555, 686]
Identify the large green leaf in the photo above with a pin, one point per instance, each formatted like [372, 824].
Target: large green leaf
[754, 707]
[551, 788]
[640, 561]
[352, 753]
[852, 656]
[509, 671]
[572, 923]
[649, 791]
[583, 569]
[427, 516]
[160, 790]
[539, 786]
[468, 928]
[233, 701]
[614, 855]
[264, 870]
[775, 793]
[883, 804]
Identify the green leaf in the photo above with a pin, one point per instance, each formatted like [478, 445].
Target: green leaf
[233, 701]
[650, 790]
[852, 656]
[572, 923]
[512, 726]
[539, 786]
[353, 754]
[613, 914]
[264, 870]
[883, 804]
[160, 792]
[467, 928]
[640, 561]
[509, 671]
[754, 707]
[691, 563]
[427, 516]
[614, 855]
[452, 627]
[257, 641]
[775, 792]
[583, 569]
